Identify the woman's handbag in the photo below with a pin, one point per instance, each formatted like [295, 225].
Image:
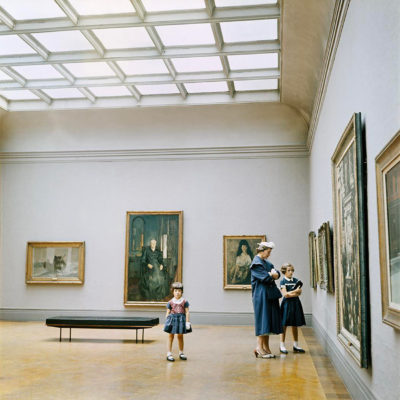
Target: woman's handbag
[273, 292]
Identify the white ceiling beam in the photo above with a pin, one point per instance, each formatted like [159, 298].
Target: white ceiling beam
[6, 18]
[272, 46]
[231, 88]
[3, 103]
[210, 7]
[67, 8]
[14, 75]
[117, 70]
[225, 65]
[155, 38]
[140, 10]
[94, 41]
[42, 95]
[147, 101]
[131, 20]
[219, 41]
[170, 67]
[38, 47]
[136, 94]
[64, 72]
[143, 79]
[182, 90]
[86, 92]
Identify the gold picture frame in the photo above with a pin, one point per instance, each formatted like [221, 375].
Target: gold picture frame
[351, 241]
[238, 255]
[387, 165]
[55, 263]
[153, 256]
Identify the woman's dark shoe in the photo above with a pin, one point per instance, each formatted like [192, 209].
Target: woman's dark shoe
[170, 358]
[298, 350]
[182, 357]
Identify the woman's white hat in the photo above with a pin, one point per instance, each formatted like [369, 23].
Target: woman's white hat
[265, 245]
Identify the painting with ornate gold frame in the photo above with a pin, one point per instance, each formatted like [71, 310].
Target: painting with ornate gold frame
[325, 257]
[238, 255]
[55, 263]
[153, 256]
[350, 241]
[312, 259]
[388, 192]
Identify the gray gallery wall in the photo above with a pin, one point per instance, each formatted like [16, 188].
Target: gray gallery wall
[365, 78]
[72, 175]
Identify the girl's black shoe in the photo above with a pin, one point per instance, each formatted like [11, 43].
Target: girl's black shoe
[170, 358]
[298, 350]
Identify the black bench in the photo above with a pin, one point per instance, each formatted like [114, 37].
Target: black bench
[103, 323]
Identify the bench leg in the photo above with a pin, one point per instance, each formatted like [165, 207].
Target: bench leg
[136, 334]
[60, 334]
[142, 335]
[70, 334]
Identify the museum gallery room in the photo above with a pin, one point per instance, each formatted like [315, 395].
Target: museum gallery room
[182, 180]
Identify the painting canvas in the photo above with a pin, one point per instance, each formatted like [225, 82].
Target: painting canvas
[153, 256]
[55, 262]
[350, 241]
[238, 255]
[325, 257]
[312, 261]
[388, 192]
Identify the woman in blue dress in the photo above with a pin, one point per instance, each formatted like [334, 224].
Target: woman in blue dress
[265, 299]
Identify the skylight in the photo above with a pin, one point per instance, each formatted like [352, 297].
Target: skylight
[4, 77]
[11, 44]
[140, 67]
[96, 7]
[197, 64]
[157, 89]
[67, 93]
[240, 3]
[253, 61]
[206, 87]
[253, 85]
[186, 35]
[124, 38]
[250, 31]
[63, 41]
[18, 95]
[110, 91]
[24, 9]
[38, 72]
[171, 5]
[92, 69]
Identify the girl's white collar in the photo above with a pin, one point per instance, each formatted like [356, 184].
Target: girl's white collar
[174, 300]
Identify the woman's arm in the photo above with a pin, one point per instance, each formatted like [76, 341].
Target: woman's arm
[260, 273]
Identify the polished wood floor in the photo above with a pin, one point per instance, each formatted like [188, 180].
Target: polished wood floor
[108, 364]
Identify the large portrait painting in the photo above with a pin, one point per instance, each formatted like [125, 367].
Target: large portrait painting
[350, 242]
[153, 256]
[238, 255]
[55, 262]
[388, 191]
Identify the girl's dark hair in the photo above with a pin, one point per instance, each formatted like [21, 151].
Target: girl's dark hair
[285, 267]
[177, 285]
[239, 251]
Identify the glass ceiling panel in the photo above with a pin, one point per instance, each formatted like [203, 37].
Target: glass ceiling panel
[238, 3]
[184, 35]
[168, 5]
[157, 89]
[96, 7]
[18, 95]
[252, 85]
[24, 9]
[4, 77]
[12, 44]
[64, 93]
[138, 67]
[124, 38]
[38, 72]
[89, 69]
[253, 61]
[63, 41]
[110, 91]
[249, 31]
[206, 87]
[197, 64]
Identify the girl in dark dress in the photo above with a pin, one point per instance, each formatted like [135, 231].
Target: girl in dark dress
[291, 309]
[265, 299]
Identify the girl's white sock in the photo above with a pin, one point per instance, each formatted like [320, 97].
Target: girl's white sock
[180, 352]
[282, 346]
[169, 354]
[295, 344]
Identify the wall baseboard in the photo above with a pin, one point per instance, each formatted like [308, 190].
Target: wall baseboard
[201, 318]
[345, 369]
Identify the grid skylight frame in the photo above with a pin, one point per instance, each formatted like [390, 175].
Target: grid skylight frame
[26, 30]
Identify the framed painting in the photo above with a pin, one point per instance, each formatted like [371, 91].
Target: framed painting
[311, 255]
[238, 255]
[388, 192]
[55, 263]
[153, 256]
[350, 242]
[325, 257]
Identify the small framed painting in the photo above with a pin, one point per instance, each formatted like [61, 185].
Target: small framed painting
[238, 255]
[55, 262]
